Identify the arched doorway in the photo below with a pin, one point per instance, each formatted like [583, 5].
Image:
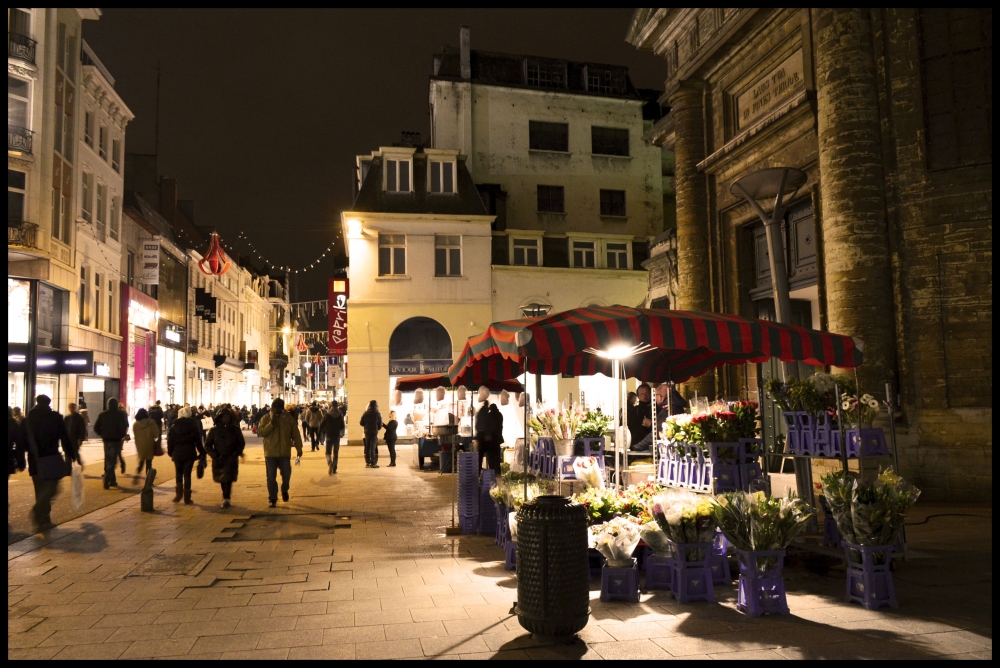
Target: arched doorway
[419, 345]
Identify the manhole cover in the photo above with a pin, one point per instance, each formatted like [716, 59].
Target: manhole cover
[285, 527]
[171, 564]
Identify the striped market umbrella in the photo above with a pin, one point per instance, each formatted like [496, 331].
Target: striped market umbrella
[429, 381]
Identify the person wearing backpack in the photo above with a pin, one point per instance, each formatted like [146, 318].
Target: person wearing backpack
[112, 427]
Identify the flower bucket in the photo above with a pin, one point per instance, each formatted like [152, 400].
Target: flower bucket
[692, 576]
[761, 583]
[620, 582]
[510, 555]
[869, 575]
[659, 572]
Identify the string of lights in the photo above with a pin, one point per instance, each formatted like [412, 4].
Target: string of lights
[267, 263]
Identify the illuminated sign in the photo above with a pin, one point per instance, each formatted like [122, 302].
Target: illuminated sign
[142, 315]
[338, 295]
[50, 361]
[150, 257]
[102, 369]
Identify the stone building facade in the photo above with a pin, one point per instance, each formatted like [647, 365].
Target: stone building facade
[889, 113]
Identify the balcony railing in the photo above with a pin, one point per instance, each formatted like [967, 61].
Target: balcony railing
[21, 233]
[21, 46]
[19, 139]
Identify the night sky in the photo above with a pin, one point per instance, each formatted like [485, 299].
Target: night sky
[263, 111]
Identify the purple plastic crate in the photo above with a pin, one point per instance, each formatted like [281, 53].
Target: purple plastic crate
[870, 583]
[761, 585]
[596, 561]
[659, 572]
[510, 554]
[692, 576]
[469, 523]
[718, 561]
[793, 429]
[503, 526]
[831, 533]
[866, 442]
[620, 584]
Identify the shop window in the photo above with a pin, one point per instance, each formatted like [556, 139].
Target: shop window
[548, 136]
[956, 57]
[526, 252]
[442, 177]
[447, 255]
[391, 254]
[16, 186]
[584, 254]
[551, 199]
[397, 175]
[608, 141]
[617, 255]
[613, 203]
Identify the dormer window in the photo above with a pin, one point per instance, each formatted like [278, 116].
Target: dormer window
[398, 175]
[442, 177]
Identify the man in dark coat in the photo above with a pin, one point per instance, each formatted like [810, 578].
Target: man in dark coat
[225, 444]
[331, 430]
[184, 446]
[677, 405]
[112, 427]
[76, 427]
[371, 420]
[640, 416]
[156, 413]
[45, 432]
[16, 446]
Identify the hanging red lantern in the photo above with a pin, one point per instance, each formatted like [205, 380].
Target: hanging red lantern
[215, 262]
[300, 345]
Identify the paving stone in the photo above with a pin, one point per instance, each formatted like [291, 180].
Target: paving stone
[146, 649]
[434, 647]
[396, 649]
[331, 652]
[143, 632]
[353, 634]
[105, 650]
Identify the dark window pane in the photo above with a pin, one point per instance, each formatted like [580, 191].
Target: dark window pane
[440, 262]
[456, 262]
[390, 175]
[532, 257]
[435, 177]
[550, 199]
[609, 141]
[404, 176]
[384, 261]
[399, 261]
[518, 255]
[15, 179]
[15, 206]
[449, 177]
[612, 202]
[548, 136]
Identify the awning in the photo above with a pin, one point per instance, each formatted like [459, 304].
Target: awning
[228, 363]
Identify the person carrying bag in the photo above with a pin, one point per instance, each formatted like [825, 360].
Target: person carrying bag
[112, 427]
[45, 431]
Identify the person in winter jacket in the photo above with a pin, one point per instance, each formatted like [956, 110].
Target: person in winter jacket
[371, 420]
[280, 432]
[185, 448]
[76, 427]
[331, 430]
[156, 413]
[16, 446]
[225, 444]
[313, 419]
[390, 437]
[44, 432]
[112, 427]
[146, 432]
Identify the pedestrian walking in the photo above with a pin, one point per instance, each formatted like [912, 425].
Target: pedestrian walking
[76, 427]
[313, 419]
[16, 446]
[17, 414]
[45, 431]
[371, 420]
[225, 444]
[185, 447]
[390, 437]
[485, 432]
[331, 430]
[146, 432]
[112, 427]
[280, 433]
[156, 413]
[493, 452]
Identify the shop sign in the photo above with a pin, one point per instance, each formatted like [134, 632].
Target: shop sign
[150, 257]
[415, 367]
[772, 90]
[141, 314]
[172, 336]
[205, 305]
[338, 295]
[103, 370]
[50, 361]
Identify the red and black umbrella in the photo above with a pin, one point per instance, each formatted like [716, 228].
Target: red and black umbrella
[429, 381]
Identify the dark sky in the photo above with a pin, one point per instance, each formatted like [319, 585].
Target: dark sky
[263, 111]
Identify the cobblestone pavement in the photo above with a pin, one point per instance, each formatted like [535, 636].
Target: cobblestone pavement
[357, 566]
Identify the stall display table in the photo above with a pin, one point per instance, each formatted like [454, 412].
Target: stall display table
[711, 467]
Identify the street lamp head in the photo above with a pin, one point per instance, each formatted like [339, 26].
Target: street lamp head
[286, 330]
[534, 310]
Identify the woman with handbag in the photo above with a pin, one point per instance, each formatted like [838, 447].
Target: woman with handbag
[225, 445]
[185, 448]
[45, 431]
[146, 434]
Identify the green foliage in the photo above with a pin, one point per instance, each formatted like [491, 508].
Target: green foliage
[594, 424]
[869, 514]
[757, 523]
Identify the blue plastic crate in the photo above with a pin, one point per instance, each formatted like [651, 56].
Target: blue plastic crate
[659, 572]
[469, 523]
[692, 576]
[620, 584]
[761, 584]
[870, 583]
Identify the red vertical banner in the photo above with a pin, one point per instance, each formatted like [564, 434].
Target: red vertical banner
[339, 293]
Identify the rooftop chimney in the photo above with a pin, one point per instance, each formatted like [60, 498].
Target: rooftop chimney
[463, 42]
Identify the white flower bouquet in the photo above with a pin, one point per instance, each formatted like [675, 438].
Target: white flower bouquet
[588, 470]
[616, 540]
[685, 519]
[862, 410]
[653, 536]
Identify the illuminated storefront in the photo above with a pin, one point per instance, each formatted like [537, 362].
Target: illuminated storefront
[171, 348]
[140, 324]
[36, 334]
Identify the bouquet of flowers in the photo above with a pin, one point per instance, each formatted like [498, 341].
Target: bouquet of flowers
[558, 424]
[601, 504]
[588, 470]
[815, 394]
[594, 424]
[869, 513]
[635, 499]
[746, 418]
[685, 519]
[861, 410]
[653, 536]
[616, 540]
[755, 523]
[498, 493]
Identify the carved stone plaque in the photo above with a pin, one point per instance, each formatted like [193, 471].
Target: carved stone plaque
[770, 91]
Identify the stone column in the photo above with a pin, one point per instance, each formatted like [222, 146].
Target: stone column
[693, 278]
[856, 259]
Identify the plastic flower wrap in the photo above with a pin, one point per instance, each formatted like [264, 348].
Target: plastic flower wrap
[588, 470]
[653, 536]
[556, 423]
[512, 522]
[685, 518]
[616, 540]
[498, 493]
[869, 514]
[753, 522]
